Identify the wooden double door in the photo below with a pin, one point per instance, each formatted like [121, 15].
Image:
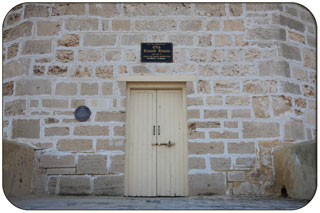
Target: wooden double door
[156, 149]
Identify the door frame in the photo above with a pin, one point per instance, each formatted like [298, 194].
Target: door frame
[163, 86]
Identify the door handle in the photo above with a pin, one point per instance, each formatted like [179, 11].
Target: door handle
[154, 130]
[169, 144]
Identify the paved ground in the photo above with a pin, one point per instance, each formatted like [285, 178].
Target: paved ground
[207, 202]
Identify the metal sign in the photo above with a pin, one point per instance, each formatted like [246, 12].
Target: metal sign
[82, 113]
[157, 52]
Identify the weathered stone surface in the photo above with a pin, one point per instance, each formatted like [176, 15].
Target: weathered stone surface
[235, 9]
[233, 25]
[16, 68]
[36, 47]
[104, 10]
[266, 33]
[74, 145]
[92, 164]
[222, 40]
[16, 107]
[300, 102]
[308, 91]
[63, 9]
[309, 58]
[252, 54]
[221, 113]
[13, 18]
[295, 169]
[241, 113]
[110, 144]
[140, 69]
[281, 105]
[195, 113]
[22, 128]
[291, 23]
[191, 25]
[52, 185]
[61, 171]
[241, 148]
[296, 37]
[65, 88]
[245, 162]
[33, 87]
[224, 134]
[57, 70]
[57, 161]
[238, 100]
[69, 40]
[260, 106]
[162, 25]
[289, 51]
[133, 39]
[155, 9]
[48, 28]
[117, 164]
[203, 86]
[56, 131]
[300, 74]
[263, 6]
[13, 50]
[205, 148]
[259, 86]
[105, 72]
[197, 163]
[198, 55]
[119, 131]
[237, 70]
[294, 130]
[236, 176]
[213, 25]
[91, 130]
[231, 124]
[110, 116]
[310, 117]
[219, 164]
[55, 103]
[204, 124]
[205, 40]
[89, 89]
[64, 56]
[75, 185]
[226, 86]
[274, 68]
[109, 185]
[17, 167]
[22, 30]
[7, 88]
[214, 100]
[288, 87]
[51, 121]
[121, 25]
[181, 39]
[192, 134]
[112, 55]
[99, 39]
[89, 55]
[260, 129]
[209, 9]
[81, 24]
[207, 184]
[36, 10]
[39, 70]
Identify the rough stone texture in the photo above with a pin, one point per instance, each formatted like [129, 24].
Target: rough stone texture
[226, 86]
[69, 40]
[110, 116]
[48, 28]
[77, 24]
[206, 9]
[77, 185]
[17, 167]
[91, 130]
[104, 10]
[16, 107]
[156, 25]
[35, 10]
[281, 105]
[197, 163]
[233, 25]
[62, 9]
[259, 86]
[260, 129]
[109, 185]
[56, 131]
[36, 47]
[207, 184]
[105, 72]
[266, 33]
[216, 113]
[295, 169]
[55, 103]
[110, 144]
[57, 161]
[22, 30]
[241, 148]
[220, 164]
[294, 130]
[16, 68]
[92, 164]
[261, 106]
[13, 50]
[205, 148]
[97, 40]
[22, 128]
[66, 88]
[309, 57]
[274, 68]
[7, 88]
[64, 56]
[290, 52]
[236, 176]
[89, 89]
[241, 113]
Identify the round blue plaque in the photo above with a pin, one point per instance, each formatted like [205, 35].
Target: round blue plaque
[82, 113]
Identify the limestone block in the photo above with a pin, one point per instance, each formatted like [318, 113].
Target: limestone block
[133, 39]
[219, 164]
[213, 25]
[110, 144]
[260, 106]
[39, 70]
[91, 130]
[159, 25]
[110, 116]
[65, 88]
[121, 25]
[89, 89]
[281, 105]
[289, 52]
[274, 68]
[214, 100]
[107, 88]
[260, 86]
[233, 25]
[291, 23]
[48, 28]
[81, 24]
[235, 9]
[35, 10]
[104, 10]
[191, 25]
[61, 171]
[260, 129]
[99, 39]
[89, 55]
[16, 107]
[309, 58]
[13, 18]
[195, 113]
[242, 148]
[300, 102]
[57, 70]
[197, 163]
[74, 185]
[117, 164]
[288, 87]
[245, 162]
[64, 56]
[22, 128]
[36, 47]
[310, 117]
[109, 185]
[252, 54]
[22, 30]
[205, 40]
[57, 161]
[105, 72]
[181, 39]
[140, 69]
[198, 55]
[209, 9]
[74, 145]
[226, 86]
[13, 50]
[207, 184]
[174, 9]
[69, 40]
[205, 148]
[179, 55]
[296, 37]
[192, 134]
[263, 7]
[224, 134]
[55, 103]
[294, 130]
[308, 91]
[295, 169]
[238, 100]
[51, 121]
[236, 176]
[221, 113]
[231, 124]
[52, 185]
[16, 68]
[222, 40]
[203, 86]
[33, 87]
[92, 164]
[119, 131]
[62, 9]
[207, 124]
[56, 131]
[112, 55]
[266, 33]
[7, 88]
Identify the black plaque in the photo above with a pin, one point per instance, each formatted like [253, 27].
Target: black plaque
[82, 113]
[156, 52]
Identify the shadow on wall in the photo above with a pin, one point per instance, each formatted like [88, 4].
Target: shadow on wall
[17, 164]
[296, 170]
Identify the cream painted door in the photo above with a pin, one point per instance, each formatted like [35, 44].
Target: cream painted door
[156, 161]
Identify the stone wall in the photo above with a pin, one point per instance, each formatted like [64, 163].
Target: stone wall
[255, 89]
